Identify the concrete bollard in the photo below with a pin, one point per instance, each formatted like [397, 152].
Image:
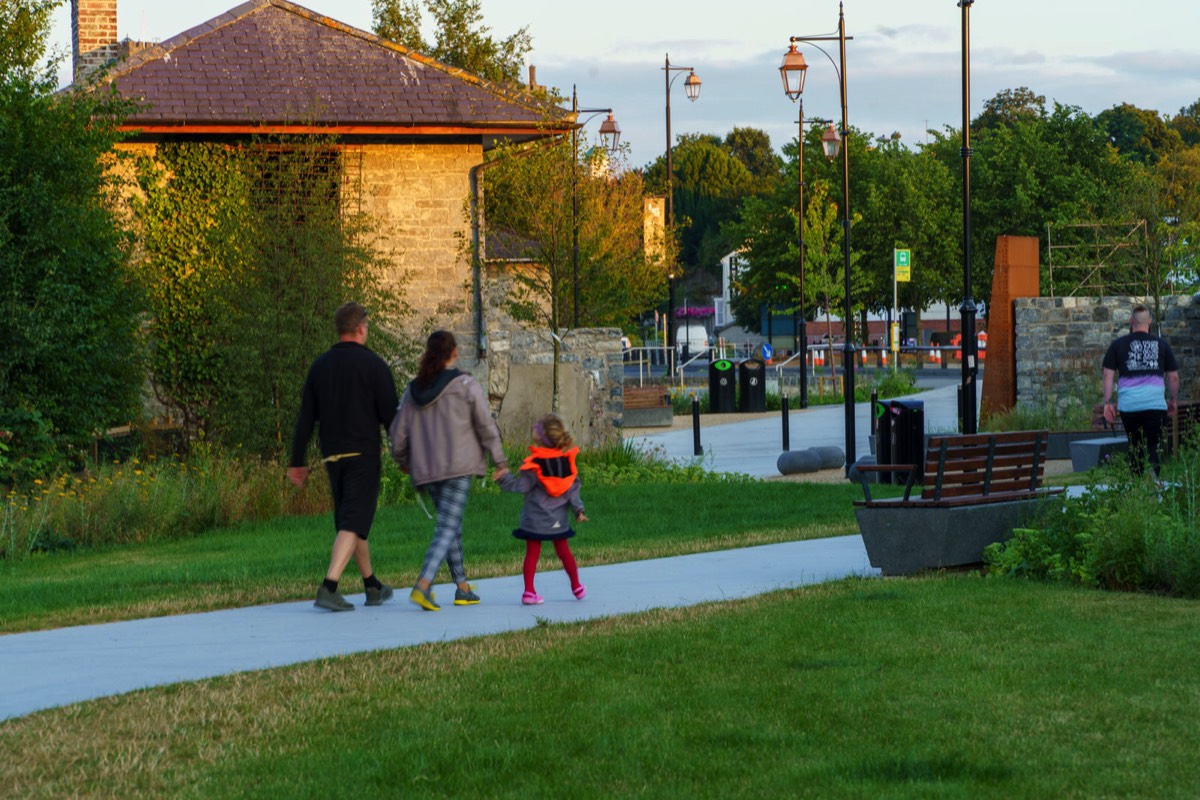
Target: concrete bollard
[797, 461]
[830, 457]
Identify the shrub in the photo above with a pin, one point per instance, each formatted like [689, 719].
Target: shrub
[1125, 532]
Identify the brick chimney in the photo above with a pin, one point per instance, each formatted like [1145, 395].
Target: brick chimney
[93, 35]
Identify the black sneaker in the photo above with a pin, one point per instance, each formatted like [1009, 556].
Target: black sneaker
[378, 596]
[331, 600]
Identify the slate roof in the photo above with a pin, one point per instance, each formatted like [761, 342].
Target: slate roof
[274, 63]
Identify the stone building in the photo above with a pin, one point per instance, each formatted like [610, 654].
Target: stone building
[411, 135]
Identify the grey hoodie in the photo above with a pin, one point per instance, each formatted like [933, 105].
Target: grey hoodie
[445, 430]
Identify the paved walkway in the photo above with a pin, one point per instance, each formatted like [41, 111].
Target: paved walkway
[51, 668]
[753, 447]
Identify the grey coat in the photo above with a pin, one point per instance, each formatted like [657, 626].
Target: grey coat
[447, 435]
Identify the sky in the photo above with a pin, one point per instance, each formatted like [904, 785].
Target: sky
[903, 62]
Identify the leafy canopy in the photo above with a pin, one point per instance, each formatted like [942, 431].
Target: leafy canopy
[460, 37]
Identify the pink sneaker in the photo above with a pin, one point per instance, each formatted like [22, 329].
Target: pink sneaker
[579, 591]
[532, 599]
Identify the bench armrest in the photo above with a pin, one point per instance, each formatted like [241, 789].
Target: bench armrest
[911, 469]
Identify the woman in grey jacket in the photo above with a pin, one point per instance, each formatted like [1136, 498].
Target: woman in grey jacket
[442, 435]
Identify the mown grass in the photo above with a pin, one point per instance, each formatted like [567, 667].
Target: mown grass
[952, 687]
[285, 558]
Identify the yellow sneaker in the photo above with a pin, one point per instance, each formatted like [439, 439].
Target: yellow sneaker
[467, 598]
[424, 599]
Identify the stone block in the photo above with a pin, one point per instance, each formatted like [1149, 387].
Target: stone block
[1089, 453]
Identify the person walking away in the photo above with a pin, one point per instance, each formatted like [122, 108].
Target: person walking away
[442, 435]
[550, 482]
[350, 393]
[1142, 365]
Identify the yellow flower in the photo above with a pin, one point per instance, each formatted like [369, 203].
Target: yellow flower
[37, 481]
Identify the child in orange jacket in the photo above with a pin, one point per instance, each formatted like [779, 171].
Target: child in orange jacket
[550, 482]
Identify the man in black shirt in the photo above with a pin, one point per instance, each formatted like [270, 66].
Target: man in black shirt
[351, 393]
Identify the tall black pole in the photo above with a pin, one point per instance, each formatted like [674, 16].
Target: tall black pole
[969, 407]
[802, 324]
[575, 210]
[848, 348]
[670, 173]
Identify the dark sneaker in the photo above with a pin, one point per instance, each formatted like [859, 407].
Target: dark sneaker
[332, 601]
[378, 596]
[467, 598]
[424, 599]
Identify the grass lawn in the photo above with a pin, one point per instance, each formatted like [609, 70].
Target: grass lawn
[950, 687]
[285, 559]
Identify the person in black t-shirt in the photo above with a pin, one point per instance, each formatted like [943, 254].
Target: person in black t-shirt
[1142, 365]
[351, 394]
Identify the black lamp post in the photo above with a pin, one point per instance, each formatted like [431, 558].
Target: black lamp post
[793, 71]
[691, 87]
[968, 309]
[610, 134]
[838, 143]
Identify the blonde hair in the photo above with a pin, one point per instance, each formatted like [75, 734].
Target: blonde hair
[554, 432]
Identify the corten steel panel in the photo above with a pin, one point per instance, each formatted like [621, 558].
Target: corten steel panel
[1017, 274]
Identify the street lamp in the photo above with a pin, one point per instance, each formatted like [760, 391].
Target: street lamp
[792, 71]
[691, 87]
[793, 79]
[968, 309]
[610, 134]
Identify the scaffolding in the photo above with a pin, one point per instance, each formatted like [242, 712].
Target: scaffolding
[1095, 259]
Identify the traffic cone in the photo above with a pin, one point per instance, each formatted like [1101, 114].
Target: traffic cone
[883, 355]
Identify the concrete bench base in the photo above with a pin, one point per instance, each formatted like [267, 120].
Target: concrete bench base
[901, 541]
[648, 417]
[1093, 452]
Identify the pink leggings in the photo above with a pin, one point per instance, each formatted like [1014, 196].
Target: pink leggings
[533, 551]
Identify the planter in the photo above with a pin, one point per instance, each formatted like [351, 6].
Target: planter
[1059, 446]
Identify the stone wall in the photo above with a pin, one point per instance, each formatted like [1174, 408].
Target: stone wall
[1061, 341]
[518, 376]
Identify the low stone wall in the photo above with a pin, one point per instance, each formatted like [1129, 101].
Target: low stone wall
[519, 377]
[1061, 341]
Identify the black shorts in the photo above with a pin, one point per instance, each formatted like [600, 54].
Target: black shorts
[355, 486]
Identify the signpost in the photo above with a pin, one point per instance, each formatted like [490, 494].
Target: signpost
[901, 273]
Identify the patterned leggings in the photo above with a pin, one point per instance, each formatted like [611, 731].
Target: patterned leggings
[449, 498]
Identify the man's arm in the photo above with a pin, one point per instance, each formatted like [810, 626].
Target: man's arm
[1110, 412]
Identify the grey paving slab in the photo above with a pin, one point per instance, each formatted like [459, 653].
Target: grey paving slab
[51, 668]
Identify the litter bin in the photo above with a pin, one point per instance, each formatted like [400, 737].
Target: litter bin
[752, 385]
[906, 435]
[721, 388]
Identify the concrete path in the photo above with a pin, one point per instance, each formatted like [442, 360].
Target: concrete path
[753, 447]
[69, 665]
[52, 668]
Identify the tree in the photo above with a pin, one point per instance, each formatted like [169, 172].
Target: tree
[69, 363]
[528, 204]
[460, 39]
[23, 37]
[1010, 106]
[1139, 134]
[246, 254]
[752, 147]
[1187, 124]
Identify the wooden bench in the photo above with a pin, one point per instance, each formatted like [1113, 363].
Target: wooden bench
[974, 490]
[647, 407]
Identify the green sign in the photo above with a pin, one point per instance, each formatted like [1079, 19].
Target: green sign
[903, 265]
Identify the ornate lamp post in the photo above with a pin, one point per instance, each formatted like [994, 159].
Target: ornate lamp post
[968, 309]
[838, 142]
[792, 71]
[610, 134]
[691, 87]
